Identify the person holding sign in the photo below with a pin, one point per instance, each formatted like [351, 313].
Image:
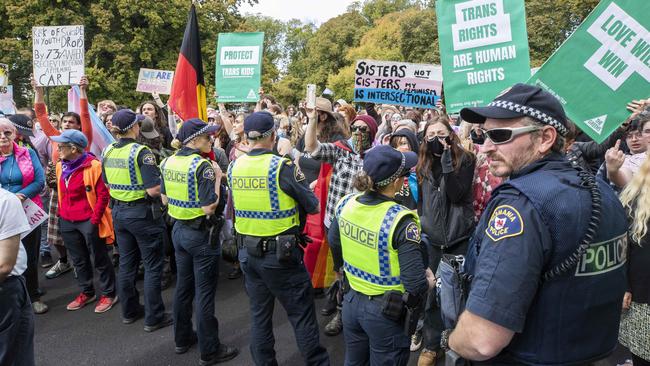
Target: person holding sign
[538, 271]
[21, 173]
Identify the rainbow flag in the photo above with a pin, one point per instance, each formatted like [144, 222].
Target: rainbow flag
[101, 136]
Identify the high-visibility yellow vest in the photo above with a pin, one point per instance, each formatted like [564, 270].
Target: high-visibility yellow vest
[366, 231]
[123, 172]
[181, 186]
[261, 207]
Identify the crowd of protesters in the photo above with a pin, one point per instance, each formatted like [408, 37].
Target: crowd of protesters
[45, 159]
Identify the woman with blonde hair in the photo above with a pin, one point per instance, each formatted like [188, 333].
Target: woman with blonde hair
[635, 323]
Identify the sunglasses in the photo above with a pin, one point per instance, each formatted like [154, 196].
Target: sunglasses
[354, 128]
[503, 135]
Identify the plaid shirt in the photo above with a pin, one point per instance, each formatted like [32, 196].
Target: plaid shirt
[346, 165]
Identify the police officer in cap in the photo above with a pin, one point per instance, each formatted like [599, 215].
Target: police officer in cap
[191, 191]
[271, 200]
[131, 172]
[377, 242]
[547, 264]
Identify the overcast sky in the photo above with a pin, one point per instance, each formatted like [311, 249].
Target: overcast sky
[318, 11]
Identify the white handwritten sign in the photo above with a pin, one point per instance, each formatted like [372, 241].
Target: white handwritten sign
[151, 80]
[58, 54]
[7, 105]
[35, 214]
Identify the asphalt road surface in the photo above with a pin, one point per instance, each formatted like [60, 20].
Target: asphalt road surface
[84, 338]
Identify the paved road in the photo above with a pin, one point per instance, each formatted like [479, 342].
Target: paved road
[84, 338]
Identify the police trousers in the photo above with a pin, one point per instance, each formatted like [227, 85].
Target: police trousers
[267, 279]
[16, 323]
[197, 266]
[140, 237]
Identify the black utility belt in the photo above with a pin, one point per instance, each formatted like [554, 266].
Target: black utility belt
[138, 202]
[283, 246]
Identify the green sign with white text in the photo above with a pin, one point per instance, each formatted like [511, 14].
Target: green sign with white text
[239, 67]
[604, 65]
[483, 49]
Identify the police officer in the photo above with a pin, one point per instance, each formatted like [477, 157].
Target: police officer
[547, 264]
[271, 200]
[191, 190]
[377, 242]
[131, 172]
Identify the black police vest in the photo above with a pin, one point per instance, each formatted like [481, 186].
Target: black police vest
[574, 317]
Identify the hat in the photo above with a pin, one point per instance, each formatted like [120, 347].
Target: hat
[213, 114]
[519, 101]
[411, 137]
[71, 137]
[324, 105]
[384, 164]
[342, 102]
[259, 125]
[370, 121]
[147, 129]
[22, 123]
[192, 128]
[124, 119]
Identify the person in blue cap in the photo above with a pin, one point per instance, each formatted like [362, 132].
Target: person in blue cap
[377, 243]
[548, 267]
[190, 189]
[132, 174]
[271, 199]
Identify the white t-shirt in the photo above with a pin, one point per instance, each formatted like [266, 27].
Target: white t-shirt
[13, 221]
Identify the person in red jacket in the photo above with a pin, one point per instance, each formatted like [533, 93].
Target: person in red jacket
[86, 224]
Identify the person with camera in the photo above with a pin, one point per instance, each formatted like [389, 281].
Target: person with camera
[535, 284]
[131, 172]
[191, 189]
[376, 241]
[271, 200]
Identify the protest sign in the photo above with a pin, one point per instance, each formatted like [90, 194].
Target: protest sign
[239, 66]
[604, 65]
[35, 214]
[4, 75]
[58, 54]
[399, 83]
[483, 49]
[155, 81]
[7, 106]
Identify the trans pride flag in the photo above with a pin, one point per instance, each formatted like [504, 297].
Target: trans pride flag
[101, 136]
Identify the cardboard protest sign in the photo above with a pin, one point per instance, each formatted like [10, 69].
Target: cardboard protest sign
[399, 83]
[483, 49]
[239, 66]
[604, 65]
[58, 54]
[4, 75]
[7, 106]
[155, 81]
[35, 214]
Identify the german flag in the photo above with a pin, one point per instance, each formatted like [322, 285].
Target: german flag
[188, 97]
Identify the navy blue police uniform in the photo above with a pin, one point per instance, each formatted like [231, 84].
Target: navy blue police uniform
[370, 337]
[533, 225]
[267, 278]
[138, 232]
[197, 261]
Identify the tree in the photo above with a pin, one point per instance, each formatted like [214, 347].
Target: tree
[121, 36]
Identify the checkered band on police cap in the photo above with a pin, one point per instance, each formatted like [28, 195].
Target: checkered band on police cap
[531, 112]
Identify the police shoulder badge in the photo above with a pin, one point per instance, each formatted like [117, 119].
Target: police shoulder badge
[208, 173]
[505, 222]
[149, 159]
[297, 174]
[413, 232]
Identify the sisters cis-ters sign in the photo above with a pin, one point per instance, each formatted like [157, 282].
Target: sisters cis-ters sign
[239, 66]
[602, 66]
[483, 49]
[397, 83]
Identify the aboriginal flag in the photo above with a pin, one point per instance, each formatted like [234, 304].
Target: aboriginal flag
[188, 97]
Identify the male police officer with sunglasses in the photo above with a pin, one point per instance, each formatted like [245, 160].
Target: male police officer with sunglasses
[547, 258]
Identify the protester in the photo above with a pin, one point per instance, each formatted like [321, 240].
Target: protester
[106, 107]
[21, 173]
[621, 168]
[635, 322]
[17, 320]
[445, 171]
[404, 141]
[153, 111]
[86, 223]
